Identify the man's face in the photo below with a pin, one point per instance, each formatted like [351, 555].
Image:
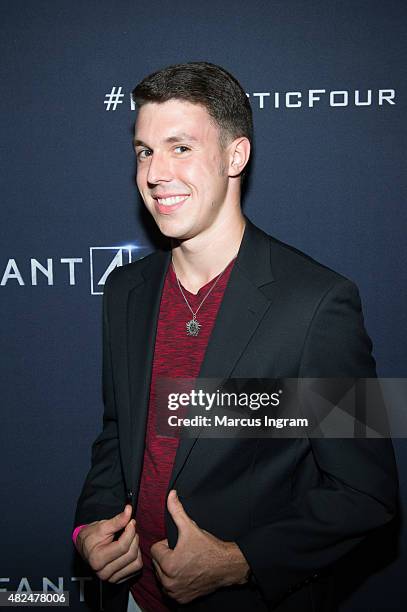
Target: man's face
[181, 168]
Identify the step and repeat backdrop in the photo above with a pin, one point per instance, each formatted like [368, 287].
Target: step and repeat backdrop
[327, 85]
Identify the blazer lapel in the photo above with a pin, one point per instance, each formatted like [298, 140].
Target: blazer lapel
[142, 316]
[243, 307]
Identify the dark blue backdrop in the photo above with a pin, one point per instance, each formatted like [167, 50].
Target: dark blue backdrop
[326, 178]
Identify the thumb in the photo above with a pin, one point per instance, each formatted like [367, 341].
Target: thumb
[176, 509]
[159, 549]
[119, 521]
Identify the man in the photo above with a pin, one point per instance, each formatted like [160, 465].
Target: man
[235, 524]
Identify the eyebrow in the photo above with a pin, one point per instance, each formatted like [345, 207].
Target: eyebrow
[182, 136]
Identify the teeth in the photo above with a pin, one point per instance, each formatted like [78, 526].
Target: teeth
[172, 200]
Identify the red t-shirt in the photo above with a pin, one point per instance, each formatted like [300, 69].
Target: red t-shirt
[176, 355]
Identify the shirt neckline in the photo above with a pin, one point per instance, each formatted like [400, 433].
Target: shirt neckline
[205, 287]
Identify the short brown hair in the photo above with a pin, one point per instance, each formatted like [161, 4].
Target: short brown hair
[202, 83]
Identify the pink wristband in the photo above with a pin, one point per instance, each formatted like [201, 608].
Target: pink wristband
[76, 532]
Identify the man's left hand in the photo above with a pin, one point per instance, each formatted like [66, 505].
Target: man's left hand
[200, 563]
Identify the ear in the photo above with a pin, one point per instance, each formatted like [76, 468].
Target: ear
[239, 155]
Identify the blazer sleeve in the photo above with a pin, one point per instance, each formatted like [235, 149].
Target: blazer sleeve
[357, 489]
[103, 494]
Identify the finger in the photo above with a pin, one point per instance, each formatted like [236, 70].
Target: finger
[167, 582]
[127, 577]
[159, 550]
[103, 553]
[118, 522]
[129, 571]
[165, 561]
[131, 556]
[160, 574]
[176, 509]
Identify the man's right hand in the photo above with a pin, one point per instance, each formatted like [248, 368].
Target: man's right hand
[112, 560]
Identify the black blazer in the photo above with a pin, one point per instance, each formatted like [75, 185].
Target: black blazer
[294, 506]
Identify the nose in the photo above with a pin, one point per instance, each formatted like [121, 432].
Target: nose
[159, 169]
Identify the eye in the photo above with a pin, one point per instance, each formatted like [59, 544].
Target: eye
[143, 154]
[182, 148]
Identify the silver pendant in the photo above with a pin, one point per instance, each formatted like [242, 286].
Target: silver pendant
[193, 327]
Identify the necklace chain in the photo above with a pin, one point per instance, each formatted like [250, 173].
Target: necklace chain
[193, 326]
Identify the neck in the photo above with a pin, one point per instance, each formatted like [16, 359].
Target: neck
[200, 259]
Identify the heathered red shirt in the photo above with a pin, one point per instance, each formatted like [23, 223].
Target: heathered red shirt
[176, 355]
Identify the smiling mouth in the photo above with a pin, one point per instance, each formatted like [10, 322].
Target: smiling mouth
[171, 200]
[170, 204]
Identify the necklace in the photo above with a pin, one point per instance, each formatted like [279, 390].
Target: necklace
[193, 326]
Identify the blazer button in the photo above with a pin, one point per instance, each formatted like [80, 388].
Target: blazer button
[130, 494]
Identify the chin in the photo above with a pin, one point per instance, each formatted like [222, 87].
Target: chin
[171, 229]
